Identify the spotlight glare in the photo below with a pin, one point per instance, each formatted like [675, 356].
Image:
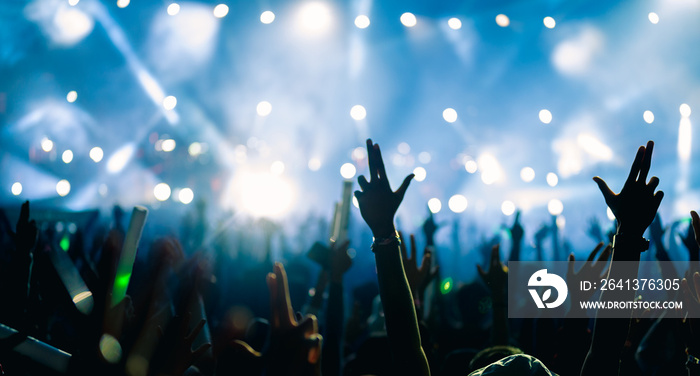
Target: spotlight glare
[73, 2]
[555, 207]
[552, 179]
[420, 173]
[173, 9]
[161, 191]
[502, 20]
[67, 156]
[63, 187]
[434, 205]
[168, 145]
[185, 196]
[549, 22]
[408, 19]
[362, 21]
[508, 207]
[46, 145]
[267, 17]
[123, 3]
[314, 164]
[72, 96]
[96, 154]
[653, 18]
[471, 166]
[348, 170]
[685, 110]
[527, 174]
[16, 188]
[450, 115]
[648, 116]
[545, 116]
[457, 203]
[490, 169]
[264, 108]
[121, 158]
[220, 11]
[169, 102]
[454, 23]
[358, 112]
[277, 168]
[315, 17]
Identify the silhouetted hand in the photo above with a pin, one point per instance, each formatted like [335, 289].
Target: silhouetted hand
[340, 261]
[497, 275]
[656, 231]
[378, 203]
[590, 271]
[179, 355]
[516, 230]
[418, 277]
[26, 235]
[690, 240]
[430, 228]
[636, 204]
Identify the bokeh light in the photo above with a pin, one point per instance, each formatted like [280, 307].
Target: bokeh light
[315, 17]
[348, 170]
[648, 116]
[186, 195]
[653, 18]
[110, 349]
[314, 164]
[409, 19]
[67, 156]
[168, 145]
[220, 11]
[72, 96]
[545, 116]
[434, 205]
[358, 112]
[16, 188]
[362, 21]
[161, 191]
[450, 115]
[424, 157]
[403, 148]
[508, 207]
[457, 203]
[263, 108]
[454, 23]
[267, 17]
[46, 145]
[552, 179]
[123, 3]
[63, 187]
[527, 174]
[555, 206]
[277, 168]
[173, 9]
[419, 173]
[471, 166]
[96, 154]
[685, 110]
[195, 149]
[549, 22]
[502, 20]
[446, 285]
[169, 102]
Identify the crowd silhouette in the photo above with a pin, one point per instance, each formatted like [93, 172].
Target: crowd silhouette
[200, 308]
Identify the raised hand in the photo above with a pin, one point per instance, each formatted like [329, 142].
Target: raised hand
[497, 275]
[178, 355]
[430, 228]
[690, 239]
[378, 203]
[340, 261]
[26, 235]
[418, 276]
[590, 271]
[636, 204]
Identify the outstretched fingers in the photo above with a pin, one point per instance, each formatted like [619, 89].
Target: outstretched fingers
[646, 162]
[404, 186]
[604, 189]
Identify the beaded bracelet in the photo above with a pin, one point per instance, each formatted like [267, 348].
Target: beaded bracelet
[392, 240]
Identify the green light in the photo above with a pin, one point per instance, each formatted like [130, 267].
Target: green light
[446, 285]
[64, 243]
[121, 283]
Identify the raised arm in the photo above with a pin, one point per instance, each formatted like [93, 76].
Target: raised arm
[378, 205]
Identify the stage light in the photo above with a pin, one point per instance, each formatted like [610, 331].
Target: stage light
[454, 23]
[314, 164]
[424, 157]
[555, 207]
[173, 9]
[527, 174]
[67, 156]
[420, 173]
[450, 115]
[552, 179]
[169, 102]
[457, 203]
[63, 187]
[261, 194]
[502, 20]
[267, 17]
[348, 170]
[185, 195]
[545, 116]
[685, 110]
[404, 148]
[46, 144]
[195, 149]
[594, 147]
[471, 166]
[549, 22]
[73, 2]
[123, 3]
[121, 157]
[434, 205]
[408, 19]
[168, 145]
[358, 112]
[16, 188]
[315, 17]
[611, 215]
[653, 18]
[263, 108]
[508, 207]
[161, 191]
[648, 116]
[72, 96]
[220, 11]
[362, 21]
[63, 25]
[277, 168]
[490, 169]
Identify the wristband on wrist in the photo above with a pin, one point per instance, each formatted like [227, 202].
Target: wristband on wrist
[622, 240]
[391, 240]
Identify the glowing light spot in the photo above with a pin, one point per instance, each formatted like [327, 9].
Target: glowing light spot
[72, 96]
[220, 11]
[594, 147]
[46, 144]
[545, 116]
[457, 203]
[552, 179]
[161, 191]
[454, 23]
[263, 108]
[73, 2]
[120, 158]
[471, 166]
[610, 214]
[358, 112]
[103, 190]
[419, 173]
[277, 168]
[653, 18]
[490, 169]
[549, 22]
[123, 3]
[168, 145]
[314, 164]
[424, 157]
[67, 156]
[555, 207]
[262, 194]
[16, 188]
[508, 207]
[527, 174]
[359, 153]
[64, 243]
[434, 205]
[110, 349]
[502, 20]
[575, 55]
[195, 149]
[362, 21]
[446, 285]
[315, 17]
[169, 102]
[685, 138]
[185, 195]
[173, 9]
[450, 115]
[561, 221]
[267, 17]
[648, 116]
[409, 19]
[685, 110]
[355, 203]
[63, 187]
[348, 170]
[404, 148]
